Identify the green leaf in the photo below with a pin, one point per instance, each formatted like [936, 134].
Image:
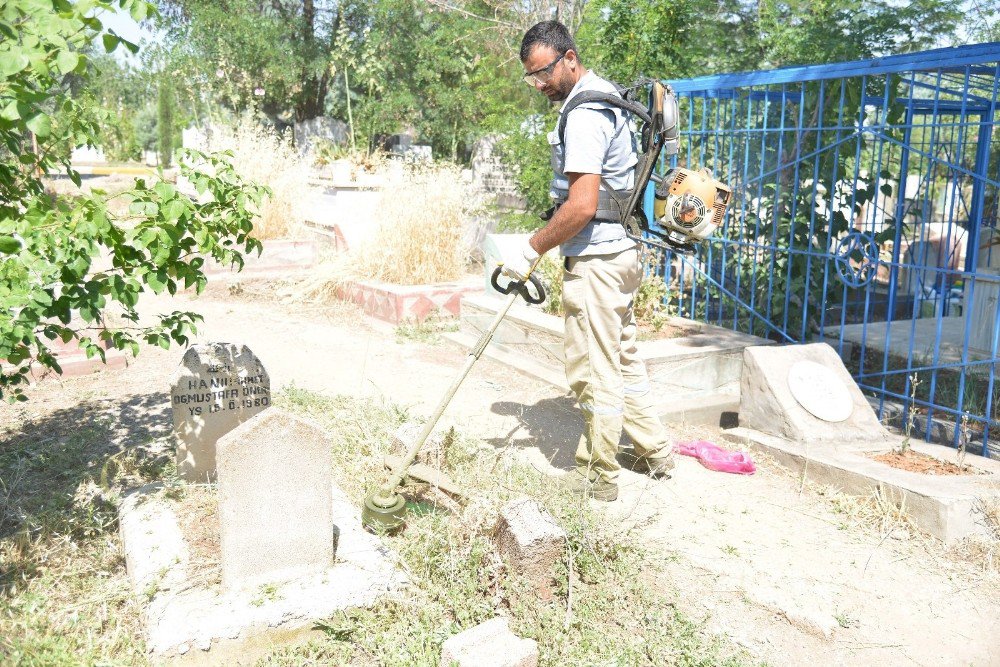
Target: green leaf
[67, 61]
[10, 111]
[139, 11]
[40, 124]
[156, 281]
[12, 62]
[111, 42]
[9, 245]
[174, 210]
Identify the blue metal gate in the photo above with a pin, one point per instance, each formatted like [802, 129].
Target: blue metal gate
[864, 214]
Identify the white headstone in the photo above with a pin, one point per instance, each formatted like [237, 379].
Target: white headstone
[804, 393]
[218, 387]
[275, 500]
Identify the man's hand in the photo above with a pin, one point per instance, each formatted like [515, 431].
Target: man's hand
[519, 265]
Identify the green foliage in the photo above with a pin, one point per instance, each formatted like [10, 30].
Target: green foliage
[50, 287]
[807, 31]
[693, 37]
[235, 48]
[122, 91]
[525, 147]
[165, 122]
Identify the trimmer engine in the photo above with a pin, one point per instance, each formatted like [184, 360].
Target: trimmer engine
[690, 205]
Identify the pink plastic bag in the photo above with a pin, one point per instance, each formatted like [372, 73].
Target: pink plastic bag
[714, 457]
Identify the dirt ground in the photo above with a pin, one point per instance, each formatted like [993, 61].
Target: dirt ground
[793, 573]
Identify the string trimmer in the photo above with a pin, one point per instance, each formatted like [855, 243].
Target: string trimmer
[384, 509]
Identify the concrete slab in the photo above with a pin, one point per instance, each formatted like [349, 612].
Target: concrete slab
[898, 335]
[945, 506]
[192, 622]
[696, 378]
[771, 403]
[274, 500]
[489, 644]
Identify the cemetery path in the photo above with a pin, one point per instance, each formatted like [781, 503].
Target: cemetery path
[779, 568]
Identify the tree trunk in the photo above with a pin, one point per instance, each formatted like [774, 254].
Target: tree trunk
[310, 100]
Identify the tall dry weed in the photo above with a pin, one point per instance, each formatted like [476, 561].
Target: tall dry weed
[421, 236]
[263, 156]
[428, 227]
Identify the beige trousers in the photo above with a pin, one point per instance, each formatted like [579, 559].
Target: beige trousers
[602, 363]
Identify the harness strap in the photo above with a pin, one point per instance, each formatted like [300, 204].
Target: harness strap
[588, 96]
[610, 203]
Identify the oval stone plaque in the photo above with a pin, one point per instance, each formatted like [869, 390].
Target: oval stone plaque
[820, 391]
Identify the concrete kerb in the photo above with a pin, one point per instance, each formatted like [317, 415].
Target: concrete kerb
[699, 373]
[192, 622]
[945, 506]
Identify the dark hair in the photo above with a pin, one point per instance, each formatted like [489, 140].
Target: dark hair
[547, 33]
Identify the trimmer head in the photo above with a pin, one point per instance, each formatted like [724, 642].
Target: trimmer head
[383, 513]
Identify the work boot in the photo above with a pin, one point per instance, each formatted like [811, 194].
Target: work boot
[577, 483]
[657, 466]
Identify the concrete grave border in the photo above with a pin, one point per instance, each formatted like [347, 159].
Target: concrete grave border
[699, 375]
[945, 506]
[191, 623]
[398, 304]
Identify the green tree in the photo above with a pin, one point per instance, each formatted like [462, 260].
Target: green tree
[123, 91]
[165, 122]
[282, 48]
[68, 265]
[796, 32]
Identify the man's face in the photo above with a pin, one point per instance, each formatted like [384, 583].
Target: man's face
[555, 81]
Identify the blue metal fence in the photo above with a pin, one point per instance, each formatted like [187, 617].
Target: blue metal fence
[864, 214]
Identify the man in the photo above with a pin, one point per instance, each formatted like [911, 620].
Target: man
[602, 268]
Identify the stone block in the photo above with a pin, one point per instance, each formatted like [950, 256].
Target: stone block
[489, 644]
[804, 393]
[530, 542]
[217, 387]
[275, 500]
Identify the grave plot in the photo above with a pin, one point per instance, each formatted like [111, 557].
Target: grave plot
[799, 404]
[227, 571]
[402, 240]
[292, 550]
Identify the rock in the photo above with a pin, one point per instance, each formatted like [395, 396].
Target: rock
[530, 541]
[489, 644]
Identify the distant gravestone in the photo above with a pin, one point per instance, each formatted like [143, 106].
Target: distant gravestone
[804, 393]
[275, 500]
[218, 387]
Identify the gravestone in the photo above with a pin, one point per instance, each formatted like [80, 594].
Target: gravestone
[804, 393]
[309, 133]
[275, 500]
[217, 387]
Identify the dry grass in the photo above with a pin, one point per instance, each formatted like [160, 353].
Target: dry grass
[427, 231]
[264, 157]
[197, 509]
[422, 234]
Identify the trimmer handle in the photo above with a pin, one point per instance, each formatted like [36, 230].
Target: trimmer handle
[520, 287]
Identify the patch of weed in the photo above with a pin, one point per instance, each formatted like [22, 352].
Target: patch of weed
[428, 331]
[604, 602]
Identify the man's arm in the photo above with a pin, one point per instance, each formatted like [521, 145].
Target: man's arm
[579, 208]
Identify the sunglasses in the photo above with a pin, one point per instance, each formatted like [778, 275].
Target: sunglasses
[542, 75]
